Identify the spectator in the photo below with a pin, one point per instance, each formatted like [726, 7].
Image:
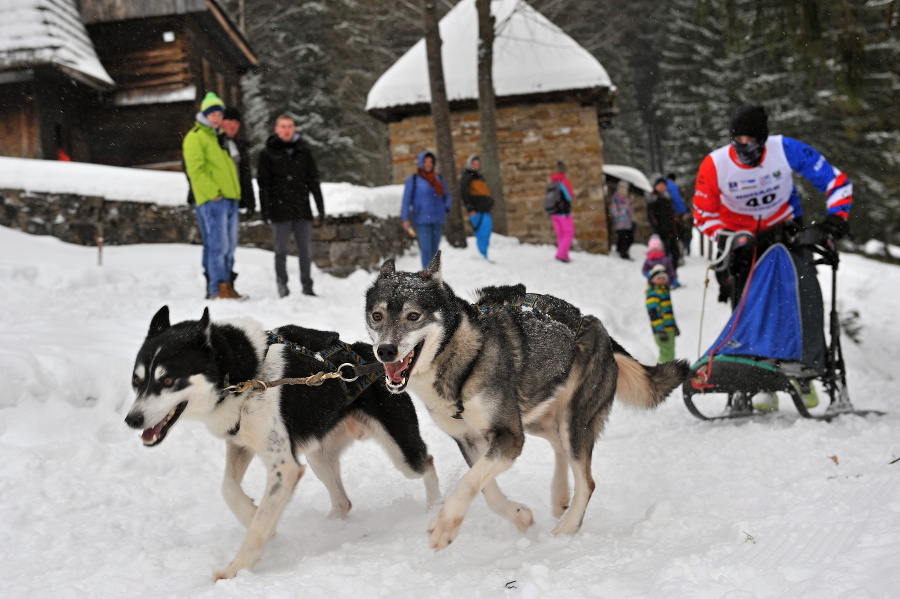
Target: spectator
[683, 211]
[563, 223]
[426, 202]
[239, 150]
[217, 191]
[476, 196]
[659, 309]
[623, 219]
[656, 254]
[663, 220]
[287, 174]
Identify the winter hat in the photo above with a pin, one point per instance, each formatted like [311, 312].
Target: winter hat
[232, 114]
[212, 103]
[660, 180]
[752, 121]
[658, 269]
[655, 244]
[472, 159]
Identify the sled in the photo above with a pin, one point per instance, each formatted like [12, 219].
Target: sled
[775, 342]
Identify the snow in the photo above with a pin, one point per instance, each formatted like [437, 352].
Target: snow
[629, 174]
[167, 188]
[780, 507]
[48, 31]
[138, 97]
[531, 55]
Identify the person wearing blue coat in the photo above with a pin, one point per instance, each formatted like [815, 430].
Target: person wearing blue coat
[426, 202]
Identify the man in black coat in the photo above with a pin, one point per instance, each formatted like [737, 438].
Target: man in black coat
[239, 149]
[287, 174]
[663, 220]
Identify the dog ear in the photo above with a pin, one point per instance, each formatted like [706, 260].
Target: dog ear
[387, 269]
[434, 269]
[159, 323]
[204, 320]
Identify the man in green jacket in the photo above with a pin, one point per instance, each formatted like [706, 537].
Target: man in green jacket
[217, 193]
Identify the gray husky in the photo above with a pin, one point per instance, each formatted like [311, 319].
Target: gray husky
[183, 370]
[510, 363]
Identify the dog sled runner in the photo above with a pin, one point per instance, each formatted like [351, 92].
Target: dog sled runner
[775, 342]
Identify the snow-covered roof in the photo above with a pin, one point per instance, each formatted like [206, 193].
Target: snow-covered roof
[628, 174]
[40, 32]
[531, 56]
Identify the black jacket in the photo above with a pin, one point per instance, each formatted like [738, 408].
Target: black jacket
[287, 174]
[245, 175]
[661, 215]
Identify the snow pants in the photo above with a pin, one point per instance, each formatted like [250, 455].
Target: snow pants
[564, 225]
[482, 224]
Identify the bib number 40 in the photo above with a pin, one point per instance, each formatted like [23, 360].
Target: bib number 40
[763, 201]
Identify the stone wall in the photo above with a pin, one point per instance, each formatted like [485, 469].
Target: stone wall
[531, 139]
[340, 245]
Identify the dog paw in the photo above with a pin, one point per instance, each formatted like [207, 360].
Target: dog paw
[566, 526]
[339, 511]
[444, 529]
[226, 574]
[518, 514]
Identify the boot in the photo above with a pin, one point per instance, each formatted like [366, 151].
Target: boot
[765, 401]
[226, 291]
[233, 294]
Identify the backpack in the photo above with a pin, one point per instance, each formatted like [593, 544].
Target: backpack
[553, 198]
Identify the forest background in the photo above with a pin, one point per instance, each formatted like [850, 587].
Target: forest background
[826, 71]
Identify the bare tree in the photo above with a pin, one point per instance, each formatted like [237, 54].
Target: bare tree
[440, 114]
[487, 114]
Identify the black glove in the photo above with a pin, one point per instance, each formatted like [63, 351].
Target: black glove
[663, 336]
[836, 226]
[816, 235]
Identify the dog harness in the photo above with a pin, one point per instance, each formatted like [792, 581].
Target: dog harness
[532, 303]
[354, 372]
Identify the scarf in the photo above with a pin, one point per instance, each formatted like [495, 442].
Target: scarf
[432, 179]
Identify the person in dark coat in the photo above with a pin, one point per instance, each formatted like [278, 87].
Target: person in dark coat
[239, 150]
[476, 197]
[663, 220]
[287, 174]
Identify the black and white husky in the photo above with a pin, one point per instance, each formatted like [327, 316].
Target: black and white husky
[509, 364]
[181, 371]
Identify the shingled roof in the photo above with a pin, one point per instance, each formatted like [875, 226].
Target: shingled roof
[531, 56]
[49, 32]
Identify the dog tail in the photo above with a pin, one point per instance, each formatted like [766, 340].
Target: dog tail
[647, 386]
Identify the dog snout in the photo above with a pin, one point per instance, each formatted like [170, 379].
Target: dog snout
[135, 420]
[387, 352]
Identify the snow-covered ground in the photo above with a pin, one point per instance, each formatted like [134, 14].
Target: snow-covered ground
[782, 507]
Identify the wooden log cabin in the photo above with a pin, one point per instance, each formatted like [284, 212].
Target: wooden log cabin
[159, 58]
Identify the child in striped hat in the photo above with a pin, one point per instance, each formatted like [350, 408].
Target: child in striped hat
[659, 308]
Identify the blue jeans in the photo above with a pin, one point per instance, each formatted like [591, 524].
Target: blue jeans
[429, 235]
[220, 228]
[483, 224]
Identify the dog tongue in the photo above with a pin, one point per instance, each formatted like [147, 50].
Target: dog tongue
[393, 369]
[149, 433]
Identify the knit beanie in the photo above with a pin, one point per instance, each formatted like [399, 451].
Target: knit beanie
[655, 244]
[212, 103]
[752, 121]
[658, 269]
[232, 114]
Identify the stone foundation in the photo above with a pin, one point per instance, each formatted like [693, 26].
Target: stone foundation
[341, 245]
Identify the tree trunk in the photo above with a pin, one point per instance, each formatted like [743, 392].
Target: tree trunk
[487, 114]
[440, 113]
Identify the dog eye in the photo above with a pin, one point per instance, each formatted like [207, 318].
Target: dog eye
[376, 316]
[135, 381]
[168, 381]
[413, 316]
